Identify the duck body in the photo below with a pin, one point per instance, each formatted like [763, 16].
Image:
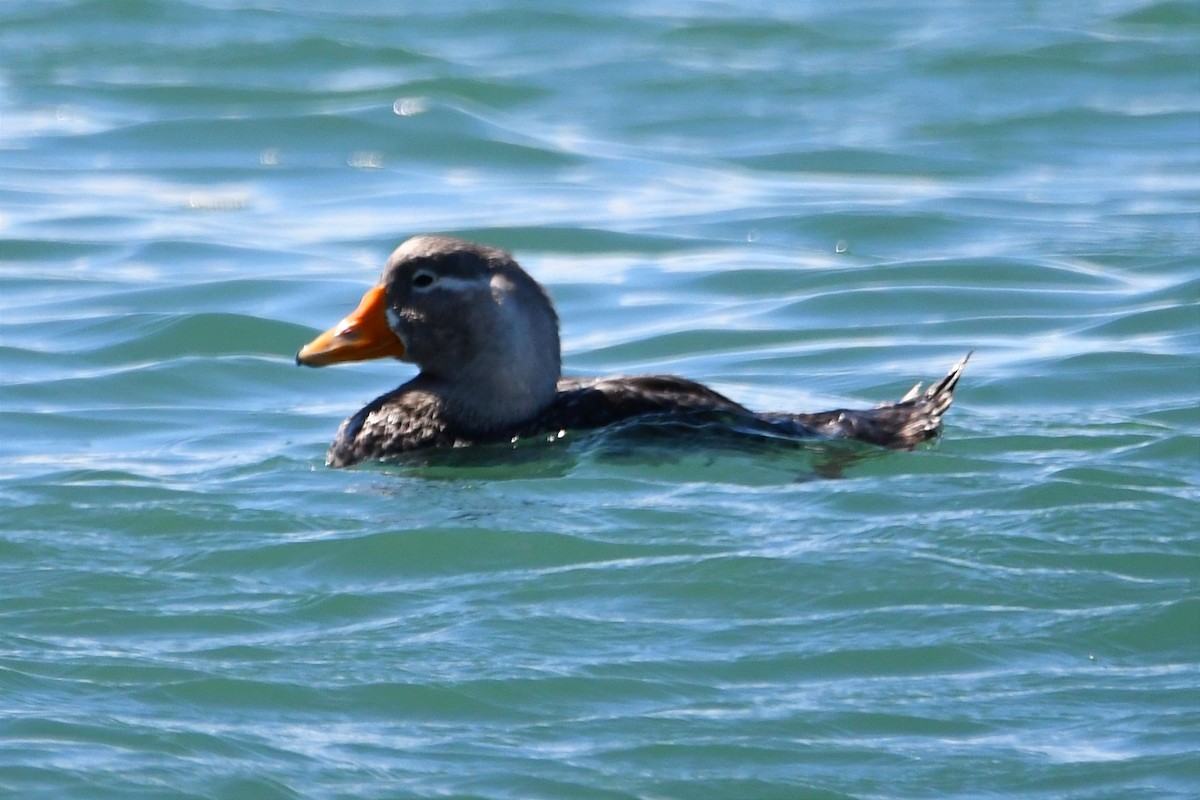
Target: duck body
[412, 418]
[485, 336]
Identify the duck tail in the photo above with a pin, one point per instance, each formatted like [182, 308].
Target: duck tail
[915, 418]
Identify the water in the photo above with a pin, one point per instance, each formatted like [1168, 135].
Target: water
[804, 205]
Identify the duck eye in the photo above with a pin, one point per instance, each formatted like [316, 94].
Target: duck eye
[423, 279]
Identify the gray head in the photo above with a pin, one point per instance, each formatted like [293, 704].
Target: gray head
[483, 332]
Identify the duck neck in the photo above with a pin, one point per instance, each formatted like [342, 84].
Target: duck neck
[487, 400]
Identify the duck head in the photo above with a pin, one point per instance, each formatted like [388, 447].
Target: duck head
[482, 331]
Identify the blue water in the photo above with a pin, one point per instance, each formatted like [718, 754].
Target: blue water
[805, 205]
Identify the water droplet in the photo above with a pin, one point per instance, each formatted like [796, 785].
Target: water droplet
[841, 246]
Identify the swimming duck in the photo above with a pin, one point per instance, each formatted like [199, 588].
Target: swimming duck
[485, 337]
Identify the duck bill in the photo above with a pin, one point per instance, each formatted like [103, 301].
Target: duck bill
[362, 335]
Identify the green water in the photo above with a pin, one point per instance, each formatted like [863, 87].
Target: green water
[805, 205]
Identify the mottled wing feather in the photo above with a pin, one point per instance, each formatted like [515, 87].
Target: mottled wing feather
[395, 423]
[595, 403]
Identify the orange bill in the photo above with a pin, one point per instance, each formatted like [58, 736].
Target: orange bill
[362, 335]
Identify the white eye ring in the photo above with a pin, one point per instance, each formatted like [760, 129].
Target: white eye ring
[423, 279]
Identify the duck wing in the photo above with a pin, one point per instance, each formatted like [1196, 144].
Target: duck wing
[594, 403]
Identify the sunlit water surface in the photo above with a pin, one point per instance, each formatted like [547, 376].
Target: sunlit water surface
[805, 205]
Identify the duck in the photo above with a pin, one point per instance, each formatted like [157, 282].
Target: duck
[484, 336]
